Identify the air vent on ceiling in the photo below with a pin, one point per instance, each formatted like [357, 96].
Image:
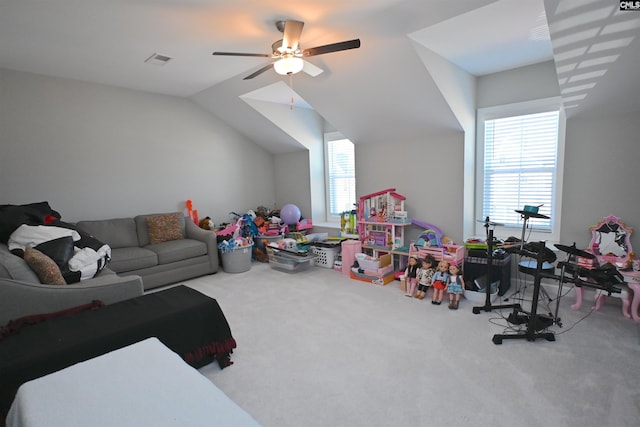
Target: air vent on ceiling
[158, 59]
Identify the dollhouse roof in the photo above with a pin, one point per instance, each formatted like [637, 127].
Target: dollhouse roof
[392, 192]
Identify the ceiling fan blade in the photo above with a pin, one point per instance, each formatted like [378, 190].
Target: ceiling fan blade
[257, 73]
[291, 37]
[334, 47]
[311, 69]
[261, 55]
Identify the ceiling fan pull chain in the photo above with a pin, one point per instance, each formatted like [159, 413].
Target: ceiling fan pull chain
[291, 86]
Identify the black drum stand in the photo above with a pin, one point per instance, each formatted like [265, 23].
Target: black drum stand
[535, 323]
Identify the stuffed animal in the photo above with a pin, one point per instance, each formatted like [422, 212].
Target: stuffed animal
[206, 223]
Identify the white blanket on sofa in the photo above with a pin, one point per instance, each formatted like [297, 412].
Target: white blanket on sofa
[144, 384]
[29, 236]
[87, 261]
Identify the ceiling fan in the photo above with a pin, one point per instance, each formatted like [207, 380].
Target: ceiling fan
[286, 53]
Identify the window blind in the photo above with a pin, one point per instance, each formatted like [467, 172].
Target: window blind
[341, 176]
[520, 163]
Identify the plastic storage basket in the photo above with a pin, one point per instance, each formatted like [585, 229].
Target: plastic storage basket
[237, 260]
[283, 260]
[325, 256]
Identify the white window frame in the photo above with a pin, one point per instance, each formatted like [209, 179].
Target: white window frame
[330, 137]
[518, 109]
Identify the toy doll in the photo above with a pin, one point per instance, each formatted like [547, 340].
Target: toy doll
[411, 275]
[455, 286]
[425, 276]
[439, 282]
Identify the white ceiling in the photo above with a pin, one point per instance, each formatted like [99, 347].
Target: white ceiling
[376, 94]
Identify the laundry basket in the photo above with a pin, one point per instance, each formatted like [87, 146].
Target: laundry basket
[236, 260]
[325, 256]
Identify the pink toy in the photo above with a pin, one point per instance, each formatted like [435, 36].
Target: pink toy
[232, 229]
[193, 213]
[633, 281]
[610, 244]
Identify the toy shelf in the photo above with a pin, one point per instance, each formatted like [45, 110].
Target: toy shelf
[401, 253]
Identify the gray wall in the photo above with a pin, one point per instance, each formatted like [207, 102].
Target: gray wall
[292, 181]
[96, 151]
[600, 154]
[536, 81]
[601, 176]
[428, 173]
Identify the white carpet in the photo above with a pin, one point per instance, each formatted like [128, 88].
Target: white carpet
[316, 348]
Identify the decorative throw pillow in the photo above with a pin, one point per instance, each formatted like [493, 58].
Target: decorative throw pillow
[163, 228]
[45, 268]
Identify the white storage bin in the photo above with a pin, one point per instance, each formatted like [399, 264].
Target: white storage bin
[325, 256]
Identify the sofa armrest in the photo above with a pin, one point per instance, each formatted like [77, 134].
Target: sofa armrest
[206, 236]
[19, 299]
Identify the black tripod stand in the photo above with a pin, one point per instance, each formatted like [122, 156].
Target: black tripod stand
[487, 302]
[534, 322]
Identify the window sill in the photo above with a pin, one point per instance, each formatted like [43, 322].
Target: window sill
[332, 225]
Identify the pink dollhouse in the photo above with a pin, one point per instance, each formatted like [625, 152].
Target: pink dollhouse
[382, 218]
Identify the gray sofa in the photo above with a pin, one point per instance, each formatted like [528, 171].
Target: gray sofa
[135, 265]
[21, 298]
[196, 254]
[21, 292]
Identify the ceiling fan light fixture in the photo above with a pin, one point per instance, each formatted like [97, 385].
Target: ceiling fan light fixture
[288, 65]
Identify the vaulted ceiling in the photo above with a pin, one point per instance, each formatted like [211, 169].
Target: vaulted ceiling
[378, 93]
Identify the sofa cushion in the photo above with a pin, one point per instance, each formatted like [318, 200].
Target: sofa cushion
[143, 229]
[132, 258]
[177, 250]
[163, 228]
[117, 232]
[16, 267]
[47, 270]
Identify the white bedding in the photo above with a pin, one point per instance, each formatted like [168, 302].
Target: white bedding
[144, 384]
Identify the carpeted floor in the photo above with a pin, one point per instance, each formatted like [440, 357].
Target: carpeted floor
[318, 349]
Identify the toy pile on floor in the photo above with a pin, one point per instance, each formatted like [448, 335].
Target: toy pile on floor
[236, 242]
[263, 225]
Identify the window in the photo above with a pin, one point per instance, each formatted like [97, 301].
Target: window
[520, 163]
[340, 175]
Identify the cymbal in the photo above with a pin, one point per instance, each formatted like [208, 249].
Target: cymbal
[527, 214]
[484, 221]
[572, 250]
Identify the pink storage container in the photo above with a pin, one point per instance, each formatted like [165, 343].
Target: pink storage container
[349, 250]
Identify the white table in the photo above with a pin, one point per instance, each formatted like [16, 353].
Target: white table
[144, 384]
